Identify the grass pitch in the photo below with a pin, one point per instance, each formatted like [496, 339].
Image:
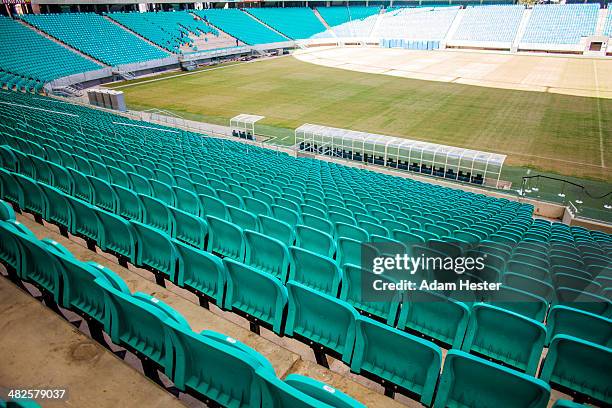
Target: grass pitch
[568, 135]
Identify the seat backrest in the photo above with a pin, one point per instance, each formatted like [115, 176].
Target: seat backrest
[243, 218]
[580, 366]
[329, 321]
[116, 235]
[505, 336]
[186, 200]
[315, 271]
[519, 301]
[277, 229]
[322, 392]
[464, 377]
[397, 357]
[212, 206]
[225, 239]
[155, 249]
[578, 323]
[256, 293]
[156, 214]
[314, 240]
[267, 254]
[201, 271]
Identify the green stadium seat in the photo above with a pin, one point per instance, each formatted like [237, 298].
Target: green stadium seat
[318, 272]
[202, 272]
[139, 184]
[82, 187]
[243, 218]
[230, 198]
[470, 381]
[103, 194]
[256, 294]
[256, 206]
[276, 229]
[566, 280]
[528, 284]
[407, 238]
[560, 403]
[322, 319]
[187, 200]
[118, 177]
[62, 180]
[322, 392]
[579, 366]
[162, 191]
[128, 204]
[156, 214]
[32, 198]
[189, 228]
[155, 250]
[116, 235]
[287, 215]
[84, 220]
[354, 232]
[578, 323]
[57, 211]
[225, 239]
[505, 336]
[398, 360]
[436, 316]
[43, 172]
[318, 223]
[519, 301]
[350, 252]
[354, 281]
[212, 206]
[315, 241]
[586, 301]
[6, 212]
[267, 254]
[530, 270]
[38, 267]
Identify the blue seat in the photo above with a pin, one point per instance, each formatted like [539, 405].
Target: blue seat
[276, 229]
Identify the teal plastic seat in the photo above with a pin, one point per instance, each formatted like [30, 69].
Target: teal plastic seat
[225, 239]
[257, 294]
[6, 212]
[505, 336]
[528, 284]
[187, 200]
[586, 301]
[318, 272]
[129, 205]
[189, 228]
[267, 254]
[230, 198]
[84, 220]
[62, 180]
[43, 173]
[57, 211]
[202, 272]
[156, 214]
[212, 369]
[162, 191]
[38, 266]
[82, 187]
[465, 378]
[318, 223]
[580, 366]
[321, 319]
[155, 250]
[561, 403]
[103, 194]
[315, 241]
[243, 218]
[397, 359]
[134, 322]
[355, 291]
[519, 301]
[212, 206]
[116, 235]
[276, 229]
[530, 270]
[118, 177]
[580, 324]
[436, 316]
[139, 184]
[322, 392]
[287, 215]
[256, 206]
[10, 189]
[32, 198]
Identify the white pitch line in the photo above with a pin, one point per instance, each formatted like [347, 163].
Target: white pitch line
[601, 142]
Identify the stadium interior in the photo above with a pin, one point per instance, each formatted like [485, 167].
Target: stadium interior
[149, 259]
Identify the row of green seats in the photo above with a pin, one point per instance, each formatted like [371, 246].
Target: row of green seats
[207, 364]
[19, 83]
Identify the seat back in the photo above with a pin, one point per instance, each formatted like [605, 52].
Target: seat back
[189, 228]
[201, 271]
[315, 241]
[267, 254]
[276, 229]
[156, 214]
[318, 272]
[116, 235]
[580, 324]
[155, 249]
[225, 239]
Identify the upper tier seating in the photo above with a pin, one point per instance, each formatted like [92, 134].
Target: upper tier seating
[416, 24]
[489, 23]
[25, 53]
[294, 22]
[348, 22]
[97, 37]
[339, 15]
[169, 30]
[561, 24]
[51, 168]
[608, 25]
[240, 25]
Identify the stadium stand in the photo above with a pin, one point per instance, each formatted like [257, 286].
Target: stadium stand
[169, 30]
[294, 22]
[608, 25]
[95, 36]
[67, 173]
[489, 23]
[41, 61]
[239, 25]
[335, 16]
[561, 24]
[416, 24]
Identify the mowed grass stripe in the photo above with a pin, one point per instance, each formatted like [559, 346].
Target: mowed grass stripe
[290, 92]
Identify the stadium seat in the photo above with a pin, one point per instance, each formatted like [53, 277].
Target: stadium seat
[202, 272]
[128, 204]
[505, 336]
[578, 323]
[318, 272]
[243, 218]
[267, 254]
[212, 206]
[116, 236]
[189, 228]
[225, 239]
[465, 377]
[276, 229]
[397, 359]
[322, 319]
[156, 214]
[155, 250]
[257, 294]
[580, 366]
[315, 241]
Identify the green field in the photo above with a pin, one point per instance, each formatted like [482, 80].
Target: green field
[562, 134]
